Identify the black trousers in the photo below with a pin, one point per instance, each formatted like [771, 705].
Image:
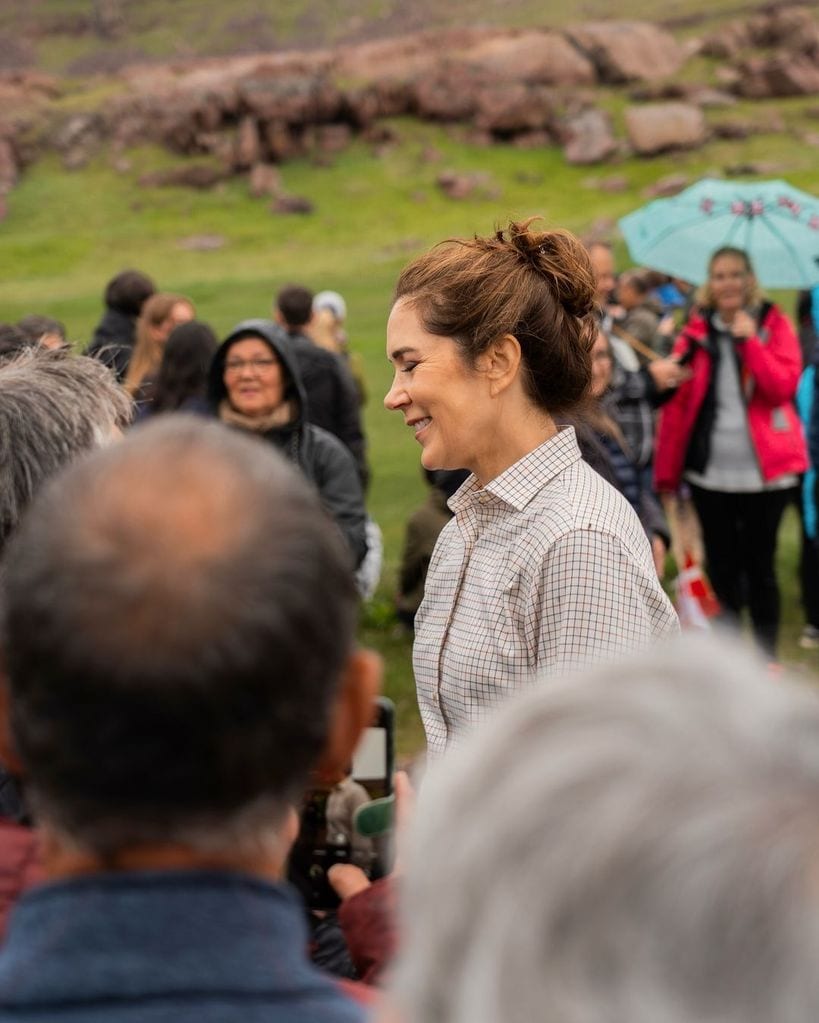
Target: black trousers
[739, 532]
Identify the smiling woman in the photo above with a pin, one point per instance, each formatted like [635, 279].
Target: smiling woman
[254, 385]
[544, 567]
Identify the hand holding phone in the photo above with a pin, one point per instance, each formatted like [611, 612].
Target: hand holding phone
[327, 834]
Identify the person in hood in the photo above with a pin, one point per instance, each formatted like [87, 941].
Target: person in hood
[254, 385]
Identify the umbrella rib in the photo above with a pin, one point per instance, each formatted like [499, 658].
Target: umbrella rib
[768, 222]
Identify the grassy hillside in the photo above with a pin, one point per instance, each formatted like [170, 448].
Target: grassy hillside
[67, 233]
[80, 36]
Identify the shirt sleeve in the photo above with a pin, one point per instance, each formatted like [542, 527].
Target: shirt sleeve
[597, 599]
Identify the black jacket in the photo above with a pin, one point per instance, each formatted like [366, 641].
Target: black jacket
[321, 457]
[332, 396]
[113, 341]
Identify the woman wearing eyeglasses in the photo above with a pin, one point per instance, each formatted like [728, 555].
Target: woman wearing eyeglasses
[254, 386]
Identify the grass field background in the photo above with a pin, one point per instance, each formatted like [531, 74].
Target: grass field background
[66, 233]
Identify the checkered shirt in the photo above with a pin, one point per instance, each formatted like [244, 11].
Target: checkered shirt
[544, 570]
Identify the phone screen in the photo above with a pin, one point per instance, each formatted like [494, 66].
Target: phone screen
[372, 766]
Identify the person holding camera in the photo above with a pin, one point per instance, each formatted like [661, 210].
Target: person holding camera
[732, 432]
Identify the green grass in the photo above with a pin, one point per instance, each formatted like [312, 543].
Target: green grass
[67, 232]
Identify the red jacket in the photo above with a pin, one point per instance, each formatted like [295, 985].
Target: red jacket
[770, 364]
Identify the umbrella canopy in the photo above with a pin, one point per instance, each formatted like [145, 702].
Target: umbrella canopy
[775, 223]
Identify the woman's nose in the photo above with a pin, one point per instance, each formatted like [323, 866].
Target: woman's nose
[395, 397]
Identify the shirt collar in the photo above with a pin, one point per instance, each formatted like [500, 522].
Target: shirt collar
[518, 485]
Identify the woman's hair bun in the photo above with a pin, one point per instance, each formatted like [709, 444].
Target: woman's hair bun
[561, 259]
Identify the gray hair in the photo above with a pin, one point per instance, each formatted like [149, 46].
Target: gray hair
[638, 845]
[53, 407]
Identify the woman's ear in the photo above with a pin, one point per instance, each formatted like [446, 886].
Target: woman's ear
[352, 713]
[501, 363]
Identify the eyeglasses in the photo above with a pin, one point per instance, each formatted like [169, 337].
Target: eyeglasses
[255, 365]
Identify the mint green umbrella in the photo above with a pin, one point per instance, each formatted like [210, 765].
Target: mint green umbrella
[775, 223]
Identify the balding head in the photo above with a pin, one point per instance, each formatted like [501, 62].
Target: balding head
[178, 613]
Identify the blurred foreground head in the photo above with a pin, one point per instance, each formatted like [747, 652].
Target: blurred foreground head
[177, 621]
[638, 846]
[53, 407]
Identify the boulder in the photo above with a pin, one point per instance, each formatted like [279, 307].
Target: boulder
[280, 142]
[733, 129]
[728, 42]
[460, 185]
[448, 95]
[406, 57]
[264, 179]
[791, 28]
[532, 140]
[588, 137]
[547, 58]
[658, 127]
[778, 76]
[201, 176]
[664, 188]
[711, 98]
[247, 146]
[509, 108]
[296, 99]
[628, 51]
[81, 132]
[291, 204]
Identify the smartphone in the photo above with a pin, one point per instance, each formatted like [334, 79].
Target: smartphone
[327, 833]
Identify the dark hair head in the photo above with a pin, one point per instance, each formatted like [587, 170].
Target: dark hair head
[35, 327]
[295, 303]
[536, 285]
[177, 615]
[183, 372]
[127, 292]
[12, 339]
[636, 279]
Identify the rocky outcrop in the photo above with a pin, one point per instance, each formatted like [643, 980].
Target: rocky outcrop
[533, 88]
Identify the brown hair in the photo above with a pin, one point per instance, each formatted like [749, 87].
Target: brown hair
[147, 354]
[704, 296]
[535, 285]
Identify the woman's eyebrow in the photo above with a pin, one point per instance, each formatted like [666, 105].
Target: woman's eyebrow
[399, 353]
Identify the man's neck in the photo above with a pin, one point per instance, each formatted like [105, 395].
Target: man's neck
[62, 861]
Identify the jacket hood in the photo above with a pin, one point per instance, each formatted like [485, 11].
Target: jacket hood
[278, 341]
